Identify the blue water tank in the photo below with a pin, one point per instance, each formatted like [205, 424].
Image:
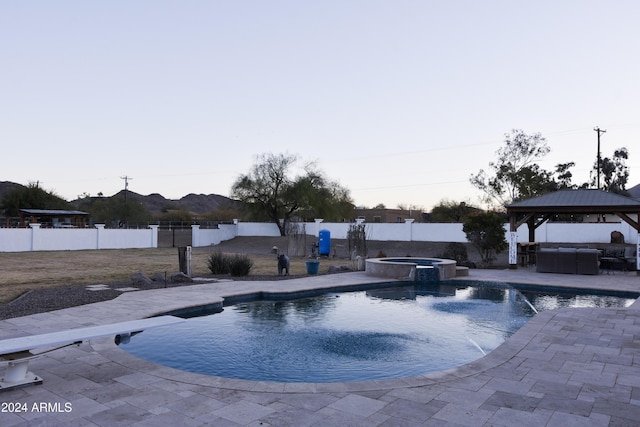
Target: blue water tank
[324, 244]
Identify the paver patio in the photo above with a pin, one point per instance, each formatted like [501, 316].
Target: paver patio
[564, 367]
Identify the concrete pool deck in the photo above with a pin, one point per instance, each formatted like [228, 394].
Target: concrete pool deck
[564, 367]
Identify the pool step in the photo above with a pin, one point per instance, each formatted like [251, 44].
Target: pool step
[461, 271]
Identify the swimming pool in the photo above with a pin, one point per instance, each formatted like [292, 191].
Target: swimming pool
[380, 333]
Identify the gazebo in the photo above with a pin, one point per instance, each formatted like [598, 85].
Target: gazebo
[537, 210]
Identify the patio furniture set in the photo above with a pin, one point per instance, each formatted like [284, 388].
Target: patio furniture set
[583, 260]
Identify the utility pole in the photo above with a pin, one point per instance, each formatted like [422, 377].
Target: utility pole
[127, 178]
[126, 181]
[126, 187]
[599, 161]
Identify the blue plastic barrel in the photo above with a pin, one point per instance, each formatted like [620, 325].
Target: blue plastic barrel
[324, 244]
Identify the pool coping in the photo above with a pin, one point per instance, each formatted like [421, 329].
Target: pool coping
[404, 268]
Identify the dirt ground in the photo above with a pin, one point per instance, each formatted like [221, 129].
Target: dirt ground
[263, 245]
[36, 282]
[30, 271]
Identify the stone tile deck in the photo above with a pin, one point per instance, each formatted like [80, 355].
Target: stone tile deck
[564, 367]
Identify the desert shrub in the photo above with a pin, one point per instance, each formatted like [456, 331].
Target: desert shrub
[486, 233]
[240, 265]
[381, 254]
[236, 265]
[218, 263]
[455, 251]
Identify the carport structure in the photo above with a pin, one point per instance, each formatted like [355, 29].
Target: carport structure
[537, 210]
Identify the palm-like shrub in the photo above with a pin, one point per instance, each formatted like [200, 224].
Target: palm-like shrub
[218, 263]
[240, 265]
[235, 265]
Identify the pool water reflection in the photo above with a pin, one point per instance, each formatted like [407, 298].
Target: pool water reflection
[353, 336]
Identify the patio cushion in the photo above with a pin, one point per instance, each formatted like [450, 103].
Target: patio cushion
[567, 260]
[546, 260]
[587, 261]
[614, 252]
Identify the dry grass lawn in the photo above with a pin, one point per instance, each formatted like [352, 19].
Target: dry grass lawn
[24, 271]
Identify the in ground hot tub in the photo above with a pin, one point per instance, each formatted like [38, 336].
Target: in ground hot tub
[405, 267]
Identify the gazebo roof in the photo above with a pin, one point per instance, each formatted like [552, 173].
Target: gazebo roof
[52, 212]
[577, 201]
[572, 202]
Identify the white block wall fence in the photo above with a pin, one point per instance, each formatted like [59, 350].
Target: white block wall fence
[35, 238]
[50, 239]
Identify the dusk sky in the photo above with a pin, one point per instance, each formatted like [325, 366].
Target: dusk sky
[399, 101]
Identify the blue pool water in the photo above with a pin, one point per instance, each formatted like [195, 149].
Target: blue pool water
[352, 336]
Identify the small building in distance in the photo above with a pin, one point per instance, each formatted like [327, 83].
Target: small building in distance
[56, 218]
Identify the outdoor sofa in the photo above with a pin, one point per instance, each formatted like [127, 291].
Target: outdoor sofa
[568, 260]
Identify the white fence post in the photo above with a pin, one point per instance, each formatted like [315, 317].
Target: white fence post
[409, 224]
[99, 231]
[154, 235]
[195, 235]
[318, 222]
[35, 233]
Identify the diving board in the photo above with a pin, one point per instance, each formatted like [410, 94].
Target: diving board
[19, 351]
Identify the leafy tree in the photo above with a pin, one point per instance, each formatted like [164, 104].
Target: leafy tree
[176, 215]
[31, 197]
[223, 213]
[450, 211]
[485, 231]
[114, 211]
[564, 175]
[409, 207]
[321, 198]
[516, 175]
[614, 172]
[514, 169]
[269, 192]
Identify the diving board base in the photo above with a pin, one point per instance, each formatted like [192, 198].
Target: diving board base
[17, 352]
[18, 376]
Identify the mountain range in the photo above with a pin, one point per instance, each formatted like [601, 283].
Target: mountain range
[156, 203]
[196, 203]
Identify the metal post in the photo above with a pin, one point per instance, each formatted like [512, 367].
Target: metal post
[599, 160]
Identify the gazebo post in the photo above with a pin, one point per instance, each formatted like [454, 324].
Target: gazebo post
[513, 242]
[531, 224]
[637, 227]
[638, 251]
